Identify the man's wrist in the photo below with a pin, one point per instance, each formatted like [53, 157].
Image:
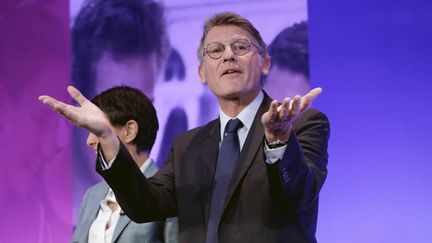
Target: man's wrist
[272, 137]
[109, 146]
[277, 144]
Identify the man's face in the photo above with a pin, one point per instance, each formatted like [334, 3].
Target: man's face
[283, 83]
[233, 76]
[138, 72]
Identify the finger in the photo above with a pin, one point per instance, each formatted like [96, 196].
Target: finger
[270, 115]
[76, 95]
[65, 110]
[284, 108]
[313, 94]
[58, 106]
[295, 106]
[48, 100]
[274, 107]
[306, 100]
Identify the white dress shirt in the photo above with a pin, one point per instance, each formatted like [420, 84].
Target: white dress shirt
[102, 228]
[246, 116]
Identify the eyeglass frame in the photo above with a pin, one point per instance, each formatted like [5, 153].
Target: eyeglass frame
[230, 45]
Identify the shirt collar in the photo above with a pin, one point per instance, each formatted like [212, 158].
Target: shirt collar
[246, 116]
[146, 164]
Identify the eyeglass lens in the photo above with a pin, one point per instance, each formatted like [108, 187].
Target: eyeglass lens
[216, 49]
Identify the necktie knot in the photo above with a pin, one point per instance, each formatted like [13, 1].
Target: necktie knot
[233, 125]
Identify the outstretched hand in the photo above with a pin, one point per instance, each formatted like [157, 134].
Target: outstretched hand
[87, 115]
[278, 119]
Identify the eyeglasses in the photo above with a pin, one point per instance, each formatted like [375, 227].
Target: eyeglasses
[240, 47]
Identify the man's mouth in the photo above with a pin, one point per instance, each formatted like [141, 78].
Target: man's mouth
[230, 71]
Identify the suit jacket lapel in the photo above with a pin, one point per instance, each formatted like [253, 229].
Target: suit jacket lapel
[93, 210]
[250, 148]
[207, 163]
[122, 222]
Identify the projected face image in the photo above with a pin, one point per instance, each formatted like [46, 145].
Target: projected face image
[135, 71]
[283, 83]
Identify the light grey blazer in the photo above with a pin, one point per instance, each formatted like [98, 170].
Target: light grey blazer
[125, 230]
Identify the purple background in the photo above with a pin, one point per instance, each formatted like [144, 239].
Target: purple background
[373, 59]
[35, 167]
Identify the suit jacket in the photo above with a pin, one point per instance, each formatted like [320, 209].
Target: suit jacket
[266, 203]
[126, 230]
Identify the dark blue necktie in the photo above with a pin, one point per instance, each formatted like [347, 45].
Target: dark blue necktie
[227, 158]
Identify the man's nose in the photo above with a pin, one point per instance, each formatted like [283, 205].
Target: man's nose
[92, 141]
[228, 54]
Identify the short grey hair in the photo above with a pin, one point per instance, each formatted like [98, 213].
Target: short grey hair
[230, 18]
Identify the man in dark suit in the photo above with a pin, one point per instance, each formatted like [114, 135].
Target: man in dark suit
[271, 192]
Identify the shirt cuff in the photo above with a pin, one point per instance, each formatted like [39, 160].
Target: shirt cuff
[103, 164]
[274, 155]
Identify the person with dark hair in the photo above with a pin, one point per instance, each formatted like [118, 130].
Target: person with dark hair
[114, 42]
[118, 42]
[289, 53]
[135, 123]
[252, 175]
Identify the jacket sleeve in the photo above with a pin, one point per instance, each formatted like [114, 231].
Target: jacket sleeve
[142, 199]
[297, 178]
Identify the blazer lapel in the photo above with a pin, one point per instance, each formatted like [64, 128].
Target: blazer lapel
[98, 197]
[93, 210]
[122, 222]
[250, 148]
[207, 164]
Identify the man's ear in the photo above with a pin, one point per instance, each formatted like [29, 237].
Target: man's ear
[201, 73]
[130, 131]
[266, 65]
